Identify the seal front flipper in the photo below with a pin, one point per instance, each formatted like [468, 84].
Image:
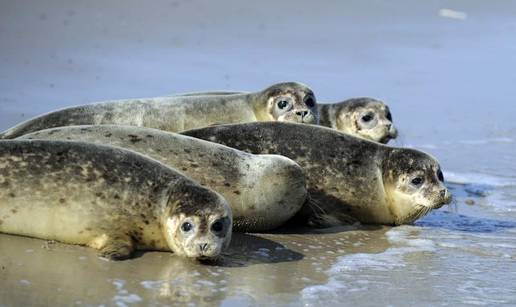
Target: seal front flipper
[117, 248]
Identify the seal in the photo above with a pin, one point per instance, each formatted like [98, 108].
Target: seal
[346, 176]
[264, 191]
[107, 198]
[364, 117]
[290, 101]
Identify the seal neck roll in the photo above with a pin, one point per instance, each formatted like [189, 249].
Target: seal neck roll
[258, 102]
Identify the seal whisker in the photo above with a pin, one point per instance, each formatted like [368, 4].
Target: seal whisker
[418, 211]
[313, 204]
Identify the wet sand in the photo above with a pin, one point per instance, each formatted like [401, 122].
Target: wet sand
[444, 68]
[256, 269]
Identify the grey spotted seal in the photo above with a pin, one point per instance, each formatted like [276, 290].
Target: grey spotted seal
[264, 191]
[107, 198]
[290, 101]
[364, 117]
[346, 176]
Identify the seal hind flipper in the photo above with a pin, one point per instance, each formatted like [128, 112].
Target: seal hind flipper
[118, 248]
[319, 218]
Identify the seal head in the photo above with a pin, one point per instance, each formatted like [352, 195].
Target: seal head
[197, 222]
[288, 102]
[413, 183]
[367, 118]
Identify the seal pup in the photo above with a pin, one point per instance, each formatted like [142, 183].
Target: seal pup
[290, 101]
[107, 198]
[364, 117]
[264, 191]
[346, 176]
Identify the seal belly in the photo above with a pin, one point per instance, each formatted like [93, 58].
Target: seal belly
[44, 222]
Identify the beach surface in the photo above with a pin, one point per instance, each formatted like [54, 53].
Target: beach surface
[445, 68]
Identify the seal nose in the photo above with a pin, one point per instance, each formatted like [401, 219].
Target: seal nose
[203, 247]
[392, 131]
[446, 196]
[302, 113]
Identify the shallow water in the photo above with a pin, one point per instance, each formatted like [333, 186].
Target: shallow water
[445, 68]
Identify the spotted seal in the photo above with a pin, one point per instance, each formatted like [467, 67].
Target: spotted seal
[264, 191]
[107, 198]
[346, 176]
[364, 117]
[290, 101]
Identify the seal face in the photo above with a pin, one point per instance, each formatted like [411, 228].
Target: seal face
[199, 222]
[288, 101]
[352, 177]
[291, 102]
[264, 191]
[107, 198]
[415, 181]
[364, 117]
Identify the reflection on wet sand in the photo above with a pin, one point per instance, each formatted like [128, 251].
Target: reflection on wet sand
[255, 268]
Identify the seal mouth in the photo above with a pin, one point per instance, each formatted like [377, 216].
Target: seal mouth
[446, 201]
[393, 132]
[387, 138]
[439, 205]
[308, 119]
[216, 260]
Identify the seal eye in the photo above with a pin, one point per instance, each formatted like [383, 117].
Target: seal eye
[310, 101]
[440, 175]
[218, 226]
[186, 227]
[417, 181]
[282, 104]
[389, 116]
[367, 118]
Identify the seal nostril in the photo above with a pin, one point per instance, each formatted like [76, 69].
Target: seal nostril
[443, 193]
[302, 113]
[203, 247]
